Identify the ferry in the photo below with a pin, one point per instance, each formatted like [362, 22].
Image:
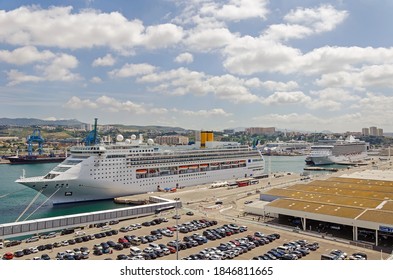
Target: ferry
[133, 166]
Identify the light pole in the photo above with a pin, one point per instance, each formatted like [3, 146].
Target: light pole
[177, 230]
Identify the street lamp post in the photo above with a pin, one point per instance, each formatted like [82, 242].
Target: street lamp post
[177, 230]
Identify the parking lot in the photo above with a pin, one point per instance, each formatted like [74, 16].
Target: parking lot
[199, 238]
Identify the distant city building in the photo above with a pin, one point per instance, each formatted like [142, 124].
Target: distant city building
[380, 132]
[261, 130]
[172, 140]
[229, 131]
[365, 131]
[373, 131]
[9, 138]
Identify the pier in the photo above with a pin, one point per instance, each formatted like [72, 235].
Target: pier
[57, 223]
[317, 168]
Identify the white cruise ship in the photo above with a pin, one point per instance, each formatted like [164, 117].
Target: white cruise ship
[133, 166]
[336, 151]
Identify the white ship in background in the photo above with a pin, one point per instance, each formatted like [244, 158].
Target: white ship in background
[336, 151]
[105, 171]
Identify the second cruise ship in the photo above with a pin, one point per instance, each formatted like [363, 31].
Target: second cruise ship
[336, 151]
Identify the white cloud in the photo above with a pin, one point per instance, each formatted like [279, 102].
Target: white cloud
[107, 60]
[184, 58]
[77, 103]
[278, 32]
[182, 81]
[16, 77]
[96, 80]
[367, 76]
[249, 55]
[207, 39]
[131, 70]
[60, 27]
[161, 36]
[321, 19]
[279, 98]
[272, 85]
[50, 67]
[216, 112]
[25, 55]
[113, 105]
[235, 10]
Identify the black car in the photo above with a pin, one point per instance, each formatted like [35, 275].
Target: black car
[19, 254]
[45, 257]
[121, 257]
[71, 241]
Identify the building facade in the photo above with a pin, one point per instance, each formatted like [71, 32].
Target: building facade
[172, 140]
[261, 130]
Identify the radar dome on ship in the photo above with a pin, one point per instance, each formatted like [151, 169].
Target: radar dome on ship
[133, 137]
[150, 141]
[128, 141]
[119, 138]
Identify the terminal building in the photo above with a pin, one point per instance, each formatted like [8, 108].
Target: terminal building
[358, 208]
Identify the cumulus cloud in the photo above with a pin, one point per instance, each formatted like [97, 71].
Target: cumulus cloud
[107, 60]
[25, 55]
[113, 105]
[321, 19]
[58, 68]
[216, 112]
[207, 39]
[184, 58]
[63, 28]
[131, 70]
[235, 10]
[96, 80]
[183, 81]
[367, 76]
[279, 98]
[77, 103]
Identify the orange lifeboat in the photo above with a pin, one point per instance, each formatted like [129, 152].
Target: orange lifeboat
[184, 167]
[141, 171]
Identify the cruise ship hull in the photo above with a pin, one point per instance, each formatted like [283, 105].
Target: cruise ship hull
[97, 173]
[76, 190]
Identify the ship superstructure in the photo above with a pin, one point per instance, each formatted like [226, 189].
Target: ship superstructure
[336, 151]
[133, 166]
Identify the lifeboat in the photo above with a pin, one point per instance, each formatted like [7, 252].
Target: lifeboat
[141, 171]
[203, 165]
[184, 167]
[193, 167]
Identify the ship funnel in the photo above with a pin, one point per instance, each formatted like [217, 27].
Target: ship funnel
[206, 136]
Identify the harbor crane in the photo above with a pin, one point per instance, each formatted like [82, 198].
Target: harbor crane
[34, 138]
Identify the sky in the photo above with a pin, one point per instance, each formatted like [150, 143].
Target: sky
[200, 64]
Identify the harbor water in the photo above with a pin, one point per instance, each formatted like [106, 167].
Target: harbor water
[14, 198]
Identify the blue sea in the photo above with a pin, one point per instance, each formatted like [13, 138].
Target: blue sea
[14, 198]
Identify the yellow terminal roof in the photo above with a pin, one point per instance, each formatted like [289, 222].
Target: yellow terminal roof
[358, 199]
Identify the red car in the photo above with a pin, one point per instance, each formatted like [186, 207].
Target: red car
[8, 256]
[172, 249]
[123, 240]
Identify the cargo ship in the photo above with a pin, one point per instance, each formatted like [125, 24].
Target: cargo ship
[33, 159]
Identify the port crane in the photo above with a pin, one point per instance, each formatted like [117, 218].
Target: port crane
[34, 138]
